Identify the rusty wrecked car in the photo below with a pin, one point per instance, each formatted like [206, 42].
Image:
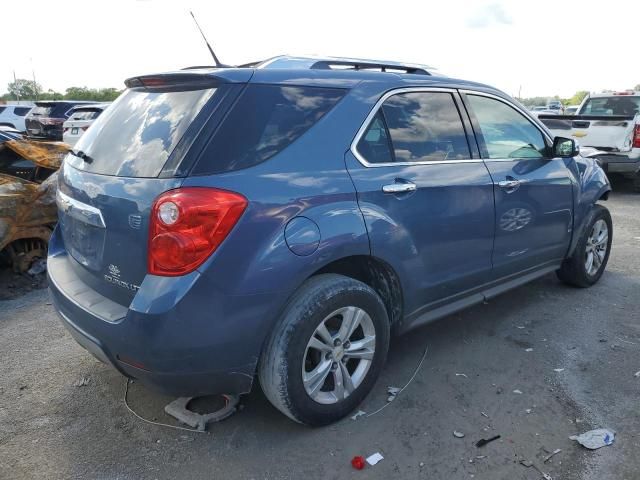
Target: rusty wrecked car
[28, 171]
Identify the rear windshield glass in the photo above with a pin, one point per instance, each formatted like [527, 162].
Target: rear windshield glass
[41, 111]
[85, 114]
[619, 105]
[265, 120]
[135, 137]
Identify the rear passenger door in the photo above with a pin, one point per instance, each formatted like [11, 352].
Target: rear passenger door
[426, 196]
[533, 190]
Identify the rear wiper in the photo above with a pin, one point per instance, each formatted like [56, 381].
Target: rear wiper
[80, 154]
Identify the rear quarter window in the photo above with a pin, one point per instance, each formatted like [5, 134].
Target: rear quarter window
[22, 111]
[263, 122]
[2, 109]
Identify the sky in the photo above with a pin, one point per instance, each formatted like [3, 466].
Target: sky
[537, 48]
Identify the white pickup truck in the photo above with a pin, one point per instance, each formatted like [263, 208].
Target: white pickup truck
[609, 122]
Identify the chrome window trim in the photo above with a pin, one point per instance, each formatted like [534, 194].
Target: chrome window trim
[79, 210]
[374, 111]
[519, 110]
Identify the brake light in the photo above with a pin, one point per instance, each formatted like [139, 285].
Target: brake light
[84, 129]
[187, 225]
[636, 136]
[65, 129]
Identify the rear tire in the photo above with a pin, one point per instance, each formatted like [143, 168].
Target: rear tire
[589, 260]
[326, 352]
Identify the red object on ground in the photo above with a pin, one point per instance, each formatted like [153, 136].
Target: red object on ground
[357, 462]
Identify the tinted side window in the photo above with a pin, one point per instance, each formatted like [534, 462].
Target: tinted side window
[22, 111]
[265, 120]
[2, 109]
[507, 133]
[374, 145]
[422, 126]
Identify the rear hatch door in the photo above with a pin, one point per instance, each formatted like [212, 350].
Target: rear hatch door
[118, 167]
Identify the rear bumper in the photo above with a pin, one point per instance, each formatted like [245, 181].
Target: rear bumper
[619, 163]
[189, 348]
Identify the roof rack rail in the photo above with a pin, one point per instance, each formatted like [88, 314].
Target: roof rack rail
[369, 65]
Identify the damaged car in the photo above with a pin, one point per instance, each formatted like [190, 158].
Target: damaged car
[27, 198]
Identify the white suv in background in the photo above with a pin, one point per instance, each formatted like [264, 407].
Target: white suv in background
[13, 116]
[80, 119]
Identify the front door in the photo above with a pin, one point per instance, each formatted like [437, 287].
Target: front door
[426, 199]
[533, 191]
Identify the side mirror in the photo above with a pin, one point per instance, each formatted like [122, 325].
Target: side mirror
[564, 147]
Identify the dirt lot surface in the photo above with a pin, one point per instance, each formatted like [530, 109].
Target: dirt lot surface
[50, 428]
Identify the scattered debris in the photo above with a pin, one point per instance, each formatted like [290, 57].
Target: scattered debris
[358, 462]
[83, 382]
[528, 349]
[637, 374]
[421, 464]
[393, 392]
[23, 387]
[461, 375]
[528, 411]
[517, 392]
[179, 410]
[458, 434]
[602, 340]
[521, 327]
[552, 454]
[359, 413]
[594, 439]
[374, 459]
[480, 457]
[529, 464]
[558, 370]
[484, 414]
[482, 442]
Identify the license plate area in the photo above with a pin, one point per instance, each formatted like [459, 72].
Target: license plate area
[74, 131]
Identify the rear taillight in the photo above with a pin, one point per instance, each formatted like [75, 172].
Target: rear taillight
[84, 129]
[65, 129]
[636, 136]
[187, 225]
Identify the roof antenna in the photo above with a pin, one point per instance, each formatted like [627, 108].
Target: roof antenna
[215, 59]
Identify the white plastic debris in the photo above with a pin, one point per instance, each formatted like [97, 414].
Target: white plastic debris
[83, 382]
[594, 439]
[517, 392]
[551, 455]
[528, 410]
[528, 349]
[558, 370]
[458, 434]
[375, 458]
[484, 414]
[637, 374]
[461, 375]
[392, 391]
[359, 413]
[37, 267]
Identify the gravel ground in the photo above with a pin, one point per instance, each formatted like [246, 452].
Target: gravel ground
[50, 428]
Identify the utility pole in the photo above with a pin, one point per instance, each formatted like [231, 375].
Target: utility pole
[15, 82]
[520, 93]
[35, 84]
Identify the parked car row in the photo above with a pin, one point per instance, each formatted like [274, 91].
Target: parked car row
[52, 120]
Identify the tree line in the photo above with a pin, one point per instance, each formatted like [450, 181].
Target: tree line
[576, 99]
[22, 89]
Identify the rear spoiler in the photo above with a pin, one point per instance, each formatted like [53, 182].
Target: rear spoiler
[185, 80]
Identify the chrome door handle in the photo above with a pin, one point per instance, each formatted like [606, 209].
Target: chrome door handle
[399, 187]
[509, 184]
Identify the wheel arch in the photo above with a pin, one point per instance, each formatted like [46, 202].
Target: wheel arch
[376, 273]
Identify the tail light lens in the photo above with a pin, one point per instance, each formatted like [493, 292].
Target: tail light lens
[84, 129]
[187, 225]
[636, 136]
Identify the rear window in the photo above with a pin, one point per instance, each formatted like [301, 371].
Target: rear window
[2, 109]
[619, 105]
[135, 137]
[264, 121]
[41, 111]
[85, 114]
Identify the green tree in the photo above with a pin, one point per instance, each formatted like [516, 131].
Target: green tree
[577, 98]
[23, 89]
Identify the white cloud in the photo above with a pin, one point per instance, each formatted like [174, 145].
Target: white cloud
[489, 16]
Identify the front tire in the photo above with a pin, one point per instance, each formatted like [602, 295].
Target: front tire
[326, 352]
[590, 257]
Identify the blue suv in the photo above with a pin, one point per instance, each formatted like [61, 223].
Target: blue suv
[281, 220]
